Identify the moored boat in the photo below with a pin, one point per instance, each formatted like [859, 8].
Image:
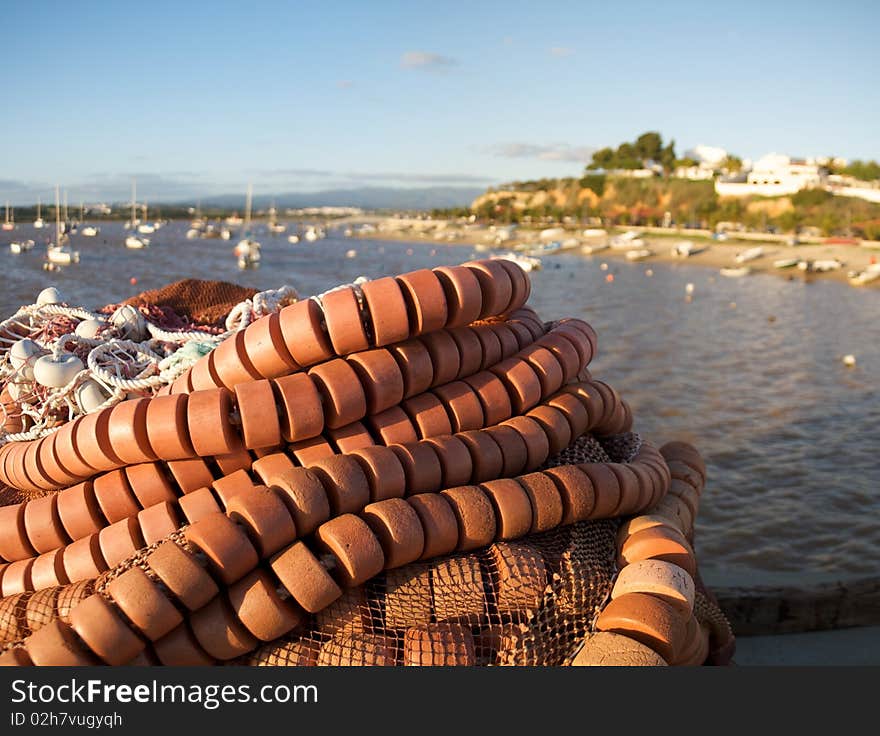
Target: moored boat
[639, 254]
[750, 255]
[736, 272]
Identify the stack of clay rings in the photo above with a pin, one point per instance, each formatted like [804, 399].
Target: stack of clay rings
[399, 420]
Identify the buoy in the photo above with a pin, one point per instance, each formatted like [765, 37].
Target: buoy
[849, 360]
[689, 288]
[132, 281]
[57, 372]
[130, 322]
[733, 305]
[649, 272]
[409, 251]
[89, 328]
[90, 395]
[603, 267]
[22, 356]
[49, 295]
[351, 253]
[609, 278]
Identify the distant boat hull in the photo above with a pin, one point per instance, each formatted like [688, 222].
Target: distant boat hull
[62, 256]
[135, 243]
[639, 255]
[735, 273]
[90, 232]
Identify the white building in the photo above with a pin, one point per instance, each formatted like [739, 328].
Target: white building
[710, 160]
[774, 175]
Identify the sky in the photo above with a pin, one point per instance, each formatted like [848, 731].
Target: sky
[199, 98]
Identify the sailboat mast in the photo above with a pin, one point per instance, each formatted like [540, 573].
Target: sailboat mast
[39, 202]
[133, 200]
[65, 206]
[57, 215]
[247, 206]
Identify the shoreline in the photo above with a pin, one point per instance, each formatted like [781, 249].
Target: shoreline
[716, 255]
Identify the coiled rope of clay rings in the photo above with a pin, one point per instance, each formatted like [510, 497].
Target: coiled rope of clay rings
[35, 532]
[234, 361]
[212, 598]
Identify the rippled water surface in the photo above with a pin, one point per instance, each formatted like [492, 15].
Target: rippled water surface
[750, 371]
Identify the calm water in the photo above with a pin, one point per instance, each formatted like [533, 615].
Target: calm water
[750, 371]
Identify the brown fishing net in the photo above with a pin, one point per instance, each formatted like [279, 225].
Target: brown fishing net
[202, 302]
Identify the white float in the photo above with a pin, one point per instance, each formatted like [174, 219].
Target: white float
[57, 372]
[49, 295]
[22, 356]
[130, 322]
[89, 328]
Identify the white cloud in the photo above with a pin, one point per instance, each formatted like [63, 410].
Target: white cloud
[544, 152]
[561, 51]
[425, 60]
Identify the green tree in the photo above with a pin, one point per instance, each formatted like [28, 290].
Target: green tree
[667, 157]
[649, 146]
[732, 164]
[865, 170]
[602, 159]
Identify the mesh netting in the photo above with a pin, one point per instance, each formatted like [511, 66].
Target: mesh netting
[203, 302]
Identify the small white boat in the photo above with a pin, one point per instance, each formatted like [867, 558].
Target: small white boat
[869, 275]
[639, 254]
[351, 253]
[735, 273]
[594, 232]
[225, 234]
[233, 221]
[686, 249]
[314, 233]
[146, 229]
[589, 250]
[135, 243]
[348, 232]
[21, 246]
[39, 222]
[248, 253]
[9, 222]
[62, 255]
[293, 239]
[89, 231]
[627, 240]
[526, 263]
[277, 228]
[193, 233]
[821, 265]
[786, 263]
[750, 255]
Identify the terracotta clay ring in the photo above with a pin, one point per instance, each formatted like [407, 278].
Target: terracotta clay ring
[303, 333]
[260, 609]
[546, 367]
[52, 466]
[56, 644]
[606, 489]
[301, 408]
[36, 455]
[455, 460]
[351, 437]
[227, 487]
[659, 543]
[239, 459]
[513, 510]
[218, 630]
[48, 570]
[265, 348]
[445, 357]
[144, 603]
[520, 283]
[474, 515]
[343, 395]
[183, 383]
[573, 410]
[522, 333]
[470, 350]
[202, 376]
[380, 377]
[464, 297]
[576, 491]
[342, 315]
[43, 526]
[462, 406]
[345, 483]
[662, 579]
[495, 285]
[92, 440]
[167, 430]
[305, 578]
[181, 573]
[270, 466]
[513, 449]
[229, 362]
[522, 383]
[191, 474]
[384, 472]
[398, 529]
[425, 301]
[506, 338]
[630, 490]
[306, 500]
[79, 511]
[83, 560]
[229, 553]
[547, 508]
[14, 543]
[578, 341]
[104, 632]
[565, 354]
[17, 577]
[310, 451]
[421, 466]
[485, 455]
[260, 426]
[646, 619]
[120, 540]
[393, 426]
[428, 415]
[208, 419]
[115, 497]
[387, 309]
[490, 345]
[494, 399]
[646, 485]
[158, 521]
[555, 425]
[198, 504]
[68, 454]
[415, 364]
[439, 524]
[351, 541]
[537, 444]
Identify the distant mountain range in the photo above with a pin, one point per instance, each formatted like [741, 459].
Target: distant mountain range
[369, 198]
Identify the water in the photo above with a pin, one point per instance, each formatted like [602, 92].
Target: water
[750, 371]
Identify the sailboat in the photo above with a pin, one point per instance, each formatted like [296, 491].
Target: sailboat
[60, 253]
[146, 228]
[132, 240]
[39, 222]
[20, 246]
[9, 224]
[247, 250]
[274, 226]
[89, 231]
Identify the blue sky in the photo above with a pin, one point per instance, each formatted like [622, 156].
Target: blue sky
[196, 98]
